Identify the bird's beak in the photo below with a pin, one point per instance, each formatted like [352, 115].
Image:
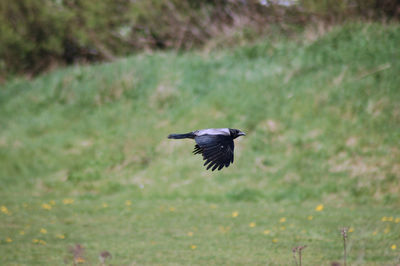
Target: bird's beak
[241, 134]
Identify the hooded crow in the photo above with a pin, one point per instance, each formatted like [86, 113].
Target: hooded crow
[215, 144]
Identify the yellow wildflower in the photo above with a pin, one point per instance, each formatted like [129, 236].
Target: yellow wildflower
[393, 247]
[387, 230]
[374, 233]
[282, 220]
[193, 246]
[397, 220]
[224, 229]
[22, 233]
[266, 232]
[128, 203]
[252, 224]
[283, 228]
[190, 233]
[171, 209]
[35, 240]
[43, 231]
[4, 210]
[42, 242]
[60, 236]
[105, 205]
[351, 230]
[8, 240]
[213, 206]
[46, 206]
[310, 217]
[275, 240]
[68, 201]
[390, 219]
[235, 214]
[52, 202]
[79, 260]
[319, 207]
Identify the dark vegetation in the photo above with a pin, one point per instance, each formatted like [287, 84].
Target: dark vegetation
[39, 35]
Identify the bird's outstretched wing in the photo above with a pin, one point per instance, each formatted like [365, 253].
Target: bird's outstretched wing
[217, 150]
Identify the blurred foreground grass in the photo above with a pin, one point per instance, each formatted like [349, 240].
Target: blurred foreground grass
[84, 156]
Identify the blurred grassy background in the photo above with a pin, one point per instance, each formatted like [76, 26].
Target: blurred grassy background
[84, 156]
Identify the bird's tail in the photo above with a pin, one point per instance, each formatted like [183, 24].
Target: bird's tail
[182, 136]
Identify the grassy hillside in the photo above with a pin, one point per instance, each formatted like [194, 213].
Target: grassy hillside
[84, 156]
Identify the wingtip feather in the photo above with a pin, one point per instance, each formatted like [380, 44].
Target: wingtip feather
[215, 167]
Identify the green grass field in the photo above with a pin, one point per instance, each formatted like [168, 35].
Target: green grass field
[85, 160]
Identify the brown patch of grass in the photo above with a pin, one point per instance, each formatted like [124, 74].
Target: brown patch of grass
[396, 170]
[375, 108]
[270, 125]
[351, 142]
[313, 133]
[338, 80]
[315, 31]
[259, 162]
[114, 91]
[291, 178]
[163, 95]
[356, 166]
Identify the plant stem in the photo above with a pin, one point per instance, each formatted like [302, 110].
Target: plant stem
[300, 256]
[344, 234]
[295, 259]
[344, 251]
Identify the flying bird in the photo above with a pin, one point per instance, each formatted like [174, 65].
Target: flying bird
[215, 144]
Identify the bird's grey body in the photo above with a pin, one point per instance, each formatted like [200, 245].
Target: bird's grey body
[212, 131]
[215, 144]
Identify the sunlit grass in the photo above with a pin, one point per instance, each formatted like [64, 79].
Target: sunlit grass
[84, 157]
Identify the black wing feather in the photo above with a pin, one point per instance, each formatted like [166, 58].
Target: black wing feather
[217, 150]
[197, 149]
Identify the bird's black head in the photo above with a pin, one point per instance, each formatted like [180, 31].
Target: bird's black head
[236, 133]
